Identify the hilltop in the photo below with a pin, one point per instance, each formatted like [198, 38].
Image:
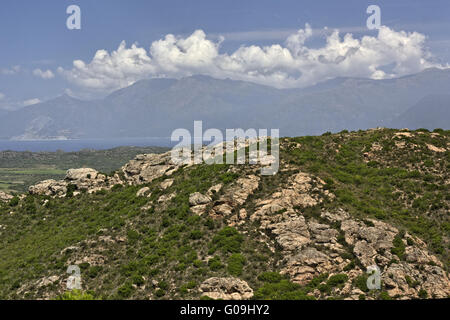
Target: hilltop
[339, 204]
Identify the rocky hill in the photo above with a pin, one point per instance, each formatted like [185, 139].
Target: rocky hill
[340, 203]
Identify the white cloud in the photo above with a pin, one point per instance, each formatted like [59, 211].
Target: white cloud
[2, 96]
[10, 71]
[291, 64]
[30, 102]
[47, 74]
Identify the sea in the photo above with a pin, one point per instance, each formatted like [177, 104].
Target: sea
[77, 145]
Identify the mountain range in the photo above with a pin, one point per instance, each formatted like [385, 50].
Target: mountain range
[155, 107]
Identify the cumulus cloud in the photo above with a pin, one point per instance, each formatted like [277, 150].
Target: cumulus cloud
[10, 71]
[30, 102]
[47, 74]
[291, 64]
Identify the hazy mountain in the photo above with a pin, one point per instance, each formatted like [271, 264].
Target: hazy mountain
[156, 107]
[431, 112]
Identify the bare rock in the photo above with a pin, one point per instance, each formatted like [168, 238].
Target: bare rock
[81, 174]
[226, 289]
[215, 189]
[47, 281]
[199, 209]
[5, 197]
[145, 168]
[197, 198]
[143, 192]
[291, 234]
[244, 187]
[49, 188]
[166, 197]
[166, 184]
[435, 149]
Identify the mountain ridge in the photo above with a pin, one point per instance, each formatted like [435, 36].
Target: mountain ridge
[155, 107]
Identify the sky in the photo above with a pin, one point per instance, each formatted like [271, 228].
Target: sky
[280, 43]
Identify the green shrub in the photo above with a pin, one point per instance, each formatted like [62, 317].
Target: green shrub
[126, 290]
[160, 293]
[337, 280]
[236, 264]
[423, 294]
[215, 263]
[196, 235]
[70, 190]
[228, 240]
[283, 290]
[76, 295]
[361, 282]
[270, 277]
[398, 247]
[14, 201]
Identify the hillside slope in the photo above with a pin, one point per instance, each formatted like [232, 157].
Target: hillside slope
[339, 204]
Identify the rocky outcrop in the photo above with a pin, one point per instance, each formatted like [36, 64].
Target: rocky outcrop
[327, 241]
[301, 191]
[145, 168]
[197, 198]
[143, 192]
[235, 196]
[5, 197]
[226, 289]
[166, 184]
[49, 188]
[199, 202]
[86, 179]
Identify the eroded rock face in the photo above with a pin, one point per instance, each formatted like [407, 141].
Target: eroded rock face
[226, 289]
[310, 246]
[372, 244]
[300, 192]
[234, 196]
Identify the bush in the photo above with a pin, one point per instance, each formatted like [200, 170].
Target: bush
[160, 293]
[126, 290]
[215, 263]
[94, 271]
[70, 189]
[227, 240]
[137, 280]
[270, 277]
[337, 280]
[76, 295]
[384, 296]
[196, 235]
[398, 247]
[423, 294]
[283, 290]
[236, 264]
[361, 282]
[14, 201]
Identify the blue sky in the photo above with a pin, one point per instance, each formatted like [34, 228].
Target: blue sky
[34, 36]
